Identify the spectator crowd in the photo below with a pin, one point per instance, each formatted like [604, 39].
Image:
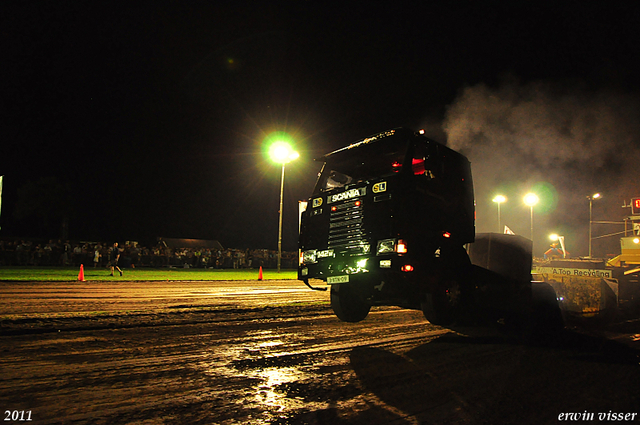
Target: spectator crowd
[98, 254]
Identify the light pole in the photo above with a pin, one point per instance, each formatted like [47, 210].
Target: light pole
[531, 199]
[498, 200]
[591, 198]
[281, 152]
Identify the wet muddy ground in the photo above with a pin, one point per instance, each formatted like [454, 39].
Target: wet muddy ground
[273, 352]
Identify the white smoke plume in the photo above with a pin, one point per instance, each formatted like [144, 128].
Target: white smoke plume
[574, 140]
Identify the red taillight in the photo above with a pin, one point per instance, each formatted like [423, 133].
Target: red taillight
[407, 268]
[446, 234]
[417, 165]
[401, 247]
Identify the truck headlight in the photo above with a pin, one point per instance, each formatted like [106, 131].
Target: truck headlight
[309, 256]
[386, 246]
[401, 247]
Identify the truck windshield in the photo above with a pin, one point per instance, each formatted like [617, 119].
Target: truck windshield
[363, 161]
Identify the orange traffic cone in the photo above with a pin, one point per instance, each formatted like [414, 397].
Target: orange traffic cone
[260, 274]
[81, 274]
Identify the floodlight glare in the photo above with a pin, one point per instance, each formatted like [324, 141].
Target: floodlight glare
[281, 152]
[531, 199]
[554, 237]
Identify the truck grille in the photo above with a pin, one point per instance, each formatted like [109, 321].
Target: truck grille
[345, 227]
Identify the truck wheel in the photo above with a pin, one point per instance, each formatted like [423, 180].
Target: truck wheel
[442, 306]
[347, 303]
[546, 317]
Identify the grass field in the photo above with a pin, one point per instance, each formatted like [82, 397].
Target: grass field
[67, 274]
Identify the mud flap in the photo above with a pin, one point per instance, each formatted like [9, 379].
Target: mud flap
[315, 288]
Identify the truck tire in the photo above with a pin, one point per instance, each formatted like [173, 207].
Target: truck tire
[447, 303]
[347, 304]
[442, 306]
[546, 317]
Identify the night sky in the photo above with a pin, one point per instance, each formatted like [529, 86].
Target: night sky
[147, 118]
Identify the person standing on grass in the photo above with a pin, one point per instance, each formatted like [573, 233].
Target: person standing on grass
[115, 256]
[96, 255]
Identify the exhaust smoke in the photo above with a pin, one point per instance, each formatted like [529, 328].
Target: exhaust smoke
[573, 141]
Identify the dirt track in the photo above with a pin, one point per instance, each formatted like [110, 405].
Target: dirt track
[273, 352]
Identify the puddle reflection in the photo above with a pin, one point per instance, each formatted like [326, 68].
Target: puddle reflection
[273, 377]
[259, 366]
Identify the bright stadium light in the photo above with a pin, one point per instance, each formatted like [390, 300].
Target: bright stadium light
[281, 152]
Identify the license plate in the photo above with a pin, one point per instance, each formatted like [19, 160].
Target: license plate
[337, 279]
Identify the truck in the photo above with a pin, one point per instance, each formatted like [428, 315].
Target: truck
[391, 221]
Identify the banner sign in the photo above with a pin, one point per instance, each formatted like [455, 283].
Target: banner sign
[576, 272]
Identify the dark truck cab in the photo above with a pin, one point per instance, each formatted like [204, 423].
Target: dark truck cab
[387, 224]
